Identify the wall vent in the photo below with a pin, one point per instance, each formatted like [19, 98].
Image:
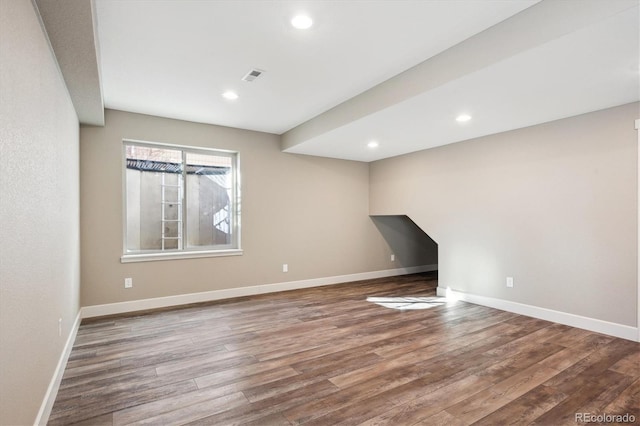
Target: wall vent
[252, 75]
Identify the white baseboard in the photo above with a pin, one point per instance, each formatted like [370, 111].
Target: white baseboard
[591, 324]
[52, 391]
[207, 296]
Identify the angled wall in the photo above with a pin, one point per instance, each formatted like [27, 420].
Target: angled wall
[410, 244]
[553, 205]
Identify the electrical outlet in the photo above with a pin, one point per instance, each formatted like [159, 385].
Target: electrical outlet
[510, 282]
[59, 327]
[393, 257]
[285, 267]
[128, 282]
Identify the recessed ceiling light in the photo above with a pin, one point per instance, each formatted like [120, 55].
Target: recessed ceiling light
[230, 95]
[462, 118]
[301, 22]
[372, 144]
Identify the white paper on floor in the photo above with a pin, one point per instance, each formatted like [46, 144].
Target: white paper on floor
[409, 302]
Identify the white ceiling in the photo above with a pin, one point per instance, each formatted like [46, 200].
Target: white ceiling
[397, 71]
[175, 58]
[593, 68]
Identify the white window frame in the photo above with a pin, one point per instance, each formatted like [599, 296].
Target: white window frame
[187, 253]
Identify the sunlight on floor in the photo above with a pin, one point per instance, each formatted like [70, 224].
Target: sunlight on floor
[405, 303]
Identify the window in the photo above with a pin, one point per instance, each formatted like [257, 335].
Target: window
[180, 202]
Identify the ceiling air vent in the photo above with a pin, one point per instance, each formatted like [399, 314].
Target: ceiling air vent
[252, 75]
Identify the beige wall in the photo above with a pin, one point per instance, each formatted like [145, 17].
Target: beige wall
[39, 217]
[311, 213]
[552, 205]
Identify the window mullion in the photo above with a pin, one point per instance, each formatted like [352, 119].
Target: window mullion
[184, 201]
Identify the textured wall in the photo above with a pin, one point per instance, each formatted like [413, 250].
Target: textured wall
[39, 217]
[553, 205]
[311, 213]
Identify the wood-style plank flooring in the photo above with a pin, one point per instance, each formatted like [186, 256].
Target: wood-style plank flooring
[326, 356]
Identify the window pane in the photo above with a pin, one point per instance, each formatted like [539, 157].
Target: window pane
[210, 184]
[180, 199]
[154, 198]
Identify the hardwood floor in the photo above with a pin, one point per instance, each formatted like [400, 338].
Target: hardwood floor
[326, 356]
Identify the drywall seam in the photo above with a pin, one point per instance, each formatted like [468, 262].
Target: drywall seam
[591, 324]
[207, 296]
[52, 391]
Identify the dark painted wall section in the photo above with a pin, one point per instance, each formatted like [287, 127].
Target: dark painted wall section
[410, 244]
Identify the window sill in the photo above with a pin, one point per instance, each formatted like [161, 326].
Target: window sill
[153, 257]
